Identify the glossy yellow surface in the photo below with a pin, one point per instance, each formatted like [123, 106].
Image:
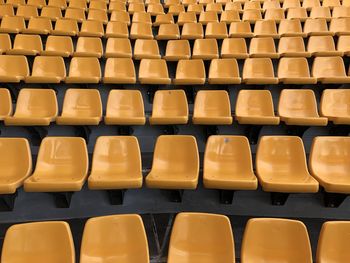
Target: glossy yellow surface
[292, 47]
[228, 164]
[47, 69]
[265, 28]
[316, 27]
[120, 16]
[262, 47]
[146, 48]
[322, 46]
[91, 28]
[153, 71]
[5, 103]
[229, 16]
[281, 165]
[12, 24]
[259, 71]
[275, 240]
[168, 31]
[5, 43]
[169, 107]
[240, 29]
[62, 165]
[81, 107]
[98, 15]
[34, 107]
[252, 15]
[141, 31]
[208, 16]
[294, 71]
[58, 46]
[212, 107]
[177, 49]
[255, 107]
[330, 70]
[175, 163]
[125, 107]
[234, 48]
[340, 26]
[116, 238]
[199, 237]
[29, 45]
[84, 70]
[89, 47]
[142, 17]
[206, 49]
[49, 242]
[343, 45]
[190, 72]
[13, 68]
[117, 29]
[299, 107]
[164, 19]
[217, 30]
[192, 31]
[187, 17]
[335, 105]
[119, 71]
[118, 47]
[65, 27]
[224, 71]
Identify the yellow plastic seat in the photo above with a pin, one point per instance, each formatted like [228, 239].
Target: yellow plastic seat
[208, 16]
[177, 49]
[118, 48]
[53, 13]
[299, 13]
[212, 107]
[125, 107]
[290, 28]
[299, 107]
[15, 3]
[58, 3]
[75, 14]
[262, 47]
[91, 28]
[229, 16]
[224, 71]
[5, 43]
[292, 47]
[271, 5]
[29, 45]
[120, 16]
[6, 10]
[155, 9]
[335, 104]
[100, 239]
[47, 69]
[340, 26]
[34, 107]
[38, 25]
[281, 167]
[12, 24]
[206, 49]
[163, 19]
[186, 17]
[5, 103]
[275, 14]
[168, 32]
[265, 28]
[309, 4]
[116, 6]
[341, 11]
[13, 68]
[317, 27]
[65, 27]
[294, 71]
[89, 47]
[251, 5]
[329, 70]
[188, 2]
[283, 236]
[81, 107]
[233, 6]
[141, 31]
[168, 3]
[142, 17]
[62, 166]
[98, 15]
[258, 71]
[251, 15]
[321, 12]
[117, 29]
[190, 72]
[84, 70]
[331, 3]
[217, 30]
[216, 7]
[78, 4]
[146, 48]
[27, 11]
[234, 48]
[255, 107]
[136, 7]
[322, 46]
[169, 107]
[58, 46]
[99, 5]
[288, 4]
[240, 29]
[119, 71]
[228, 164]
[196, 8]
[345, 3]
[175, 163]
[41, 241]
[153, 71]
[199, 237]
[176, 9]
[192, 31]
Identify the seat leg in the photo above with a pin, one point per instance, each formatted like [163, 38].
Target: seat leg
[279, 198]
[63, 199]
[83, 131]
[116, 197]
[171, 129]
[7, 202]
[37, 134]
[125, 130]
[226, 196]
[334, 199]
[252, 132]
[175, 195]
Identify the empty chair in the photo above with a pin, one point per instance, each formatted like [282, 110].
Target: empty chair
[309, 4]
[229, 16]
[118, 48]
[265, 28]
[141, 17]
[91, 28]
[38, 25]
[251, 15]
[125, 107]
[5, 43]
[281, 167]
[16, 3]
[40, 241]
[292, 47]
[100, 242]
[29, 45]
[12, 24]
[119, 71]
[259, 71]
[217, 7]
[146, 48]
[155, 9]
[276, 14]
[116, 6]
[192, 31]
[61, 166]
[197, 8]
[81, 107]
[186, 17]
[117, 29]
[299, 107]
[294, 71]
[78, 4]
[65, 27]
[341, 11]
[27, 11]
[51, 12]
[6, 10]
[58, 46]
[89, 47]
[297, 13]
[262, 47]
[47, 69]
[120, 16]
[98, 15]
[75, 14]
[331, 3]
[212, 107]
[13, 68]
[189, 72]
[177, 49]
[228, 164]
[141, 31]
[205, 49]
[216, 30]
[175, 163]
[283, 236]
[240, 29]
[317, 27]
[84, 70]
[340, 26]
[329, 70]
[208, 16]
[168, 32]
[234, 48]
[59, 3]
[163, 19]
[288, 4]
[291, 28]
[255, 107]
[153, 71]
[136, 7]
[252, 5]
[322, 46]
[5, 103]
[34, 107]
[321, 12]
[224, 71]
[334, 105]
[271, 5]
[176, 9]
[100, 5]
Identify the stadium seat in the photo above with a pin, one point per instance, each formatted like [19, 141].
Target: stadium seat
[240, 29]
[136, 7]
[141, 31]
[117, 29]
[186, 17]
[343, 45]
[209, 16]
[234, 48]
[120, 16]
[175, 163]
[81, 107]
[16, 3]
[317, 27]
[334, 105]
[5, 103]
[321, 12]
[142, 17]
[13, 68]
[205, 49]
[168, 3]
[58, 46]
[125, 107]
[75, 14]
[262, 47]
[38, 25]
[299, 13]
[294, 70]
[291, 28]
[192, 31]
[299, 107]
[34, 107]
[224, 71]
[89, 47]
[91, 28]
[65, 27]
[118, 48]
[340, 26]
[212, 107]
[84, 70]
[163, 19]
[331, 3]
[62, 166]
[329, 70]
[116, 6]
[258, 71]
[99, 5]
[271, 5]
[100, 239]
[309, 4]
[251, 15]
[98, 15]
[282, 236]
[188, 2]
[199, 237]
[27, 11]
[155, 9]
[78, 4]
[53, 13]
[265, 28]
[5, 43]
[292, 47]
[341, 12]
[40, 241]
[169, 107]
[275, 14]
[217, 30]
[12, 24]
[168, 32]
[189, 72]
[37, 3]
[47, 69]
[251, 5]
[177, 49]
[228, 164]
[6, 10]
[234, 6]
[229, 16]
[216, 7]
[58, 3]
[146, 48]
[119, 71]
[153, 71]
[255, 107]
[320, 46]
[281, 167]
[176, 9]
[29, 45]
